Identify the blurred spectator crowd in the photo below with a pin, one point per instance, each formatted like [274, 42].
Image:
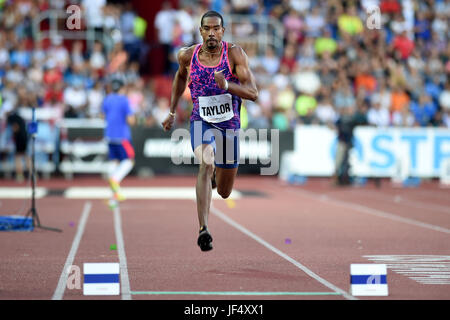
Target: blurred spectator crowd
[66, 78]
[397, 75]
[335, 59]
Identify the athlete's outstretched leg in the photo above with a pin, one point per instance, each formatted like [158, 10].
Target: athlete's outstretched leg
[122, 170]
[205, 153]
[122, 162]
[117, 172]
[225, 181]
[226, 170]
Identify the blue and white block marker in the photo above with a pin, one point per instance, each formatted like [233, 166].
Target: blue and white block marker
[368, 280]
[101, 279]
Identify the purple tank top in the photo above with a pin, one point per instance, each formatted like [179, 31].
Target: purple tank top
[202, 84]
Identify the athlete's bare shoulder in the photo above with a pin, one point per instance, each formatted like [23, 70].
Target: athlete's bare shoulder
[185, 55]
[236, 53]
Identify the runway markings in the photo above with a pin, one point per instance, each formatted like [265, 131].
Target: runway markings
[425, 269]
[235, 293]
[124, 279]
[236, 225]
[61, 287]
[405, 200]
[371, 211]
[180, 193]
[21, 192]
[173, 193]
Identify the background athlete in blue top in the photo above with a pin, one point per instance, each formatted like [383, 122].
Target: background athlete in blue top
[118, 116]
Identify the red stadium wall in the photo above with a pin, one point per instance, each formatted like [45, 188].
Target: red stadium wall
[148, 11]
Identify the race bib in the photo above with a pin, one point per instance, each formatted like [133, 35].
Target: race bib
[216, 109]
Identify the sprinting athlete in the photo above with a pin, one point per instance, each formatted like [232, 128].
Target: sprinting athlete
[118, 116]
[219, 77]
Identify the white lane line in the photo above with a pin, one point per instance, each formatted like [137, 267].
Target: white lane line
[61, 287]
[374, 212]
[236, 225]
[436, 194]
[124, 279]
[420, 205]
[399, 199]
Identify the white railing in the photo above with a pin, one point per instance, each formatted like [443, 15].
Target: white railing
[58, 29]
[265, 31]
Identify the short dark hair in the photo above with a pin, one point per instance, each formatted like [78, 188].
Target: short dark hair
[212, 13]
[116, 84]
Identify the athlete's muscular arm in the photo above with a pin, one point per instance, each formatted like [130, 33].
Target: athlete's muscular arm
[179, 84]
[247, 89]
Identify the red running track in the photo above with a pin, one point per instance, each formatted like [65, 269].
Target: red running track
[328, 229]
